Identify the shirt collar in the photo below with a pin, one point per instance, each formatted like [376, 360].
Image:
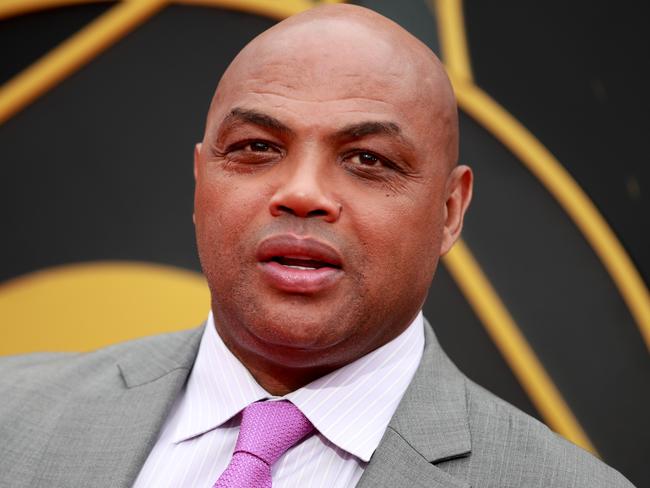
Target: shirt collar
[351, 406]
[218, 388]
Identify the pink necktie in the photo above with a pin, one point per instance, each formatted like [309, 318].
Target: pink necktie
[267, 430]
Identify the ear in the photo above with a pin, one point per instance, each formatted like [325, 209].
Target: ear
[459, 194]
[197, 154]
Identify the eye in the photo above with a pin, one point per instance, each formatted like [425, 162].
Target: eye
[258, 146]
[250, 155]
[252, 148]
[366, 159]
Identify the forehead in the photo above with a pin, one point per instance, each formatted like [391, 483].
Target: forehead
[323, 76]
[347, 61]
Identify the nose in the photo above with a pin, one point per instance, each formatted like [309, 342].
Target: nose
[301, 192]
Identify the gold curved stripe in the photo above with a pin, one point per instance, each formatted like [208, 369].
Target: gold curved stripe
[467, 273]
[100, 34]
[73, 53]
[83, 306]
[12, 8]
[275, 9]
[569, 195]
[269, 8]
[515, 349]
[453, 41]
[542, 164]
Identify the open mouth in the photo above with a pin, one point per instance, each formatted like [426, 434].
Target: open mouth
[297, 264]
[302, 263]
[298, 252]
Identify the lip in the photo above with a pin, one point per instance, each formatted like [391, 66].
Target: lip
[297, 248]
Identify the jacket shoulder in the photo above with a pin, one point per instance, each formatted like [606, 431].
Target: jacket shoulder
[512, 449]
[53, 405]
[55, 374]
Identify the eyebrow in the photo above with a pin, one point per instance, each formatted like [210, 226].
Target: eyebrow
[369, 128]
[241, 115]
[362, 129]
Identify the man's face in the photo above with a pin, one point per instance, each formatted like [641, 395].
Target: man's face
[320, 200]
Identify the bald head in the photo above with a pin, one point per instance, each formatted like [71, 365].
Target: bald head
[338, 44]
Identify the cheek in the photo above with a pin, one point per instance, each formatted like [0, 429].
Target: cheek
[401, 240]
[222, 212]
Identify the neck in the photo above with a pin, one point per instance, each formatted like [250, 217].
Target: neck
[279, 381]
[296, 368]
[281, 369]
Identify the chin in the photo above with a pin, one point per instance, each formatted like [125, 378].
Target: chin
[290, 328]
[293, 331]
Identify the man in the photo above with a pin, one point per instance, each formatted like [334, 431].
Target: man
[327, 188]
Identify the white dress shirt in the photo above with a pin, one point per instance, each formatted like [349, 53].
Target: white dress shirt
[350, 408]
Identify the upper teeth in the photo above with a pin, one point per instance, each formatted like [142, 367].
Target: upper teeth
[297, 267]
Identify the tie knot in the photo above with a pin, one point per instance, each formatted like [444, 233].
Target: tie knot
[268, 429]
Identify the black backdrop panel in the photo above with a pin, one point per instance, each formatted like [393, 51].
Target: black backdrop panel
[26, 38]
[559, 295]
[576, 74]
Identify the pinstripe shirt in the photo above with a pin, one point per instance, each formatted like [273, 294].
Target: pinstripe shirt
[350, 408]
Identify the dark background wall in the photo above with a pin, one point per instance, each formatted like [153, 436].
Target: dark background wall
[100, 168]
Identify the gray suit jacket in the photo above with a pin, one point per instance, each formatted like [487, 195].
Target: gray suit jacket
[90, 420]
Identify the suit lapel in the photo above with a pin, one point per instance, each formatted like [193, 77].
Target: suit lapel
[107, 429]
[430, 425]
